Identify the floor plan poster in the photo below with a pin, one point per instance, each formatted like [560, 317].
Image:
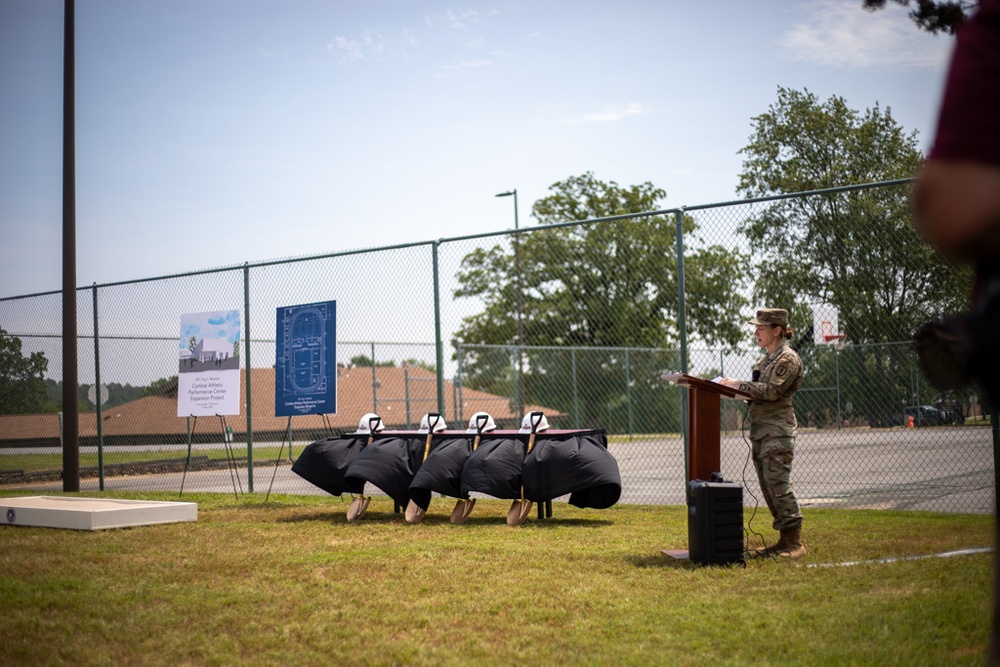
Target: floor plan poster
[305, 374]
[208, 378]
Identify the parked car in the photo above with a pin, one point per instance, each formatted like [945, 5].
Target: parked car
[954, 416]
[924, 415]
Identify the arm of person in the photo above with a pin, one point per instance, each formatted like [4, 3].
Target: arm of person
[957, 206]
[784, 375]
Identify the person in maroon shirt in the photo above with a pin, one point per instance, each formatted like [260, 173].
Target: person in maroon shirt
[957, 196]
[956, 201]
[957, 205]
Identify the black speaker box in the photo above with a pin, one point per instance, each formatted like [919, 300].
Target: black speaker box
[715, 522]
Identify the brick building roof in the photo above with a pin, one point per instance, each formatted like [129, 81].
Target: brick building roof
[157, 415]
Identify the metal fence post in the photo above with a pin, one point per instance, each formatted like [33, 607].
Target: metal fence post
[516, 379]
[995, 428]
[682, 326]
[681, 320]
[576, 390]
[246, 333]
[406, 392]
[438, 344]
[460, 383]
[628, 395]
[97, 396]
[836, 370]
[374, 383]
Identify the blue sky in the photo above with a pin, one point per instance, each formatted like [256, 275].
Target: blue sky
[215, 133]
[217, 324]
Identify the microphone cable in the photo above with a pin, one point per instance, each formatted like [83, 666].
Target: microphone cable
[748, 530]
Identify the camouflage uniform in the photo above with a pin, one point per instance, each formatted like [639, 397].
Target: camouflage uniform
[772, 430]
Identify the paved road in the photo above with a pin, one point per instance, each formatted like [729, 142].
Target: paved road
[946, 469]
[935, 469]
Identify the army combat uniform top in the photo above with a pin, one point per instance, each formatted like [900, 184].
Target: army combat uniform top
[771, 412]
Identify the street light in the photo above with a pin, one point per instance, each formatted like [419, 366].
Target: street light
[519, 387]
[508, 194]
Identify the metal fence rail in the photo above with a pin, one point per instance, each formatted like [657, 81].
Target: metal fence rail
[433, 327]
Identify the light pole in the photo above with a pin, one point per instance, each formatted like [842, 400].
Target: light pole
[519, 386]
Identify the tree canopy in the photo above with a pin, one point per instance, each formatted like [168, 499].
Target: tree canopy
[932, 15]
[857, 250]
[611, 284]
[608, 284]
[22, 377]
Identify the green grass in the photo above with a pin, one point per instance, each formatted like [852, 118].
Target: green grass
[37, 462]
[289, 582]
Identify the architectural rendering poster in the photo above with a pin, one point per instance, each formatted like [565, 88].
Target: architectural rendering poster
[305, 371]
[208, 378]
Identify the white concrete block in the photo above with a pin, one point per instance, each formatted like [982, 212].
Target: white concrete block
[92, 513]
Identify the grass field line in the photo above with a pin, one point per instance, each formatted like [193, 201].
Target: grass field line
[896, 559]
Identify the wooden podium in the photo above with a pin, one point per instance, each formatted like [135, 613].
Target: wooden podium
[704, 454]
[704, 420]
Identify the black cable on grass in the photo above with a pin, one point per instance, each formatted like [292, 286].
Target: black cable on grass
[748, 530]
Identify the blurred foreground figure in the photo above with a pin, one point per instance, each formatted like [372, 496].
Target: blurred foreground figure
[957, 206]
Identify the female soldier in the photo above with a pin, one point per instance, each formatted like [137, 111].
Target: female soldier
[776, 378]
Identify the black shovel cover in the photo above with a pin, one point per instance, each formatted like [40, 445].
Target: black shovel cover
[324, 463]
[441, 472]
[572, 462]
[495, 467]
[389, 462]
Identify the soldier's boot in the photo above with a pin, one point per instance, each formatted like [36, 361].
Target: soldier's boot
[793, 547]
[778, 546]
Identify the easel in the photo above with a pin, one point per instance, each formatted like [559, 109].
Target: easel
[327, 426]
[230, 454]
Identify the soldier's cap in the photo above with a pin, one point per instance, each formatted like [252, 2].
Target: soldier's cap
[773, 316]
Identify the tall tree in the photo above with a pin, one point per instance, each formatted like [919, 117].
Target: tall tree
[609, 284]
[857, 250]
[934, 16]
[22, 377]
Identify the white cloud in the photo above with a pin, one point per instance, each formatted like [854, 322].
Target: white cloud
[842, 34]
[349, 49]
[609, 116]
[453, 20]
[466, 66]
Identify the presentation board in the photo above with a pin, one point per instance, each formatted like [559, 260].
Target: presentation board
[305, 377]
[208, 377]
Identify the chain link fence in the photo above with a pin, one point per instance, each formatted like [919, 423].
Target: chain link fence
[579, 320]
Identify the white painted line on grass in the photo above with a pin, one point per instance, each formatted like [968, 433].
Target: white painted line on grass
[946, 554]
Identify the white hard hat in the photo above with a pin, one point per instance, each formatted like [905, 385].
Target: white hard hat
[534, 422]
[370, 423]
[481, 422]
[431, 418]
